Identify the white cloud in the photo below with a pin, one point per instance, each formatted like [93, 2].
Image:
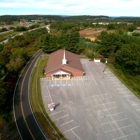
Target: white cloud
[90, 7]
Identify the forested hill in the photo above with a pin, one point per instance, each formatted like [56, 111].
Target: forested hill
[9, 19]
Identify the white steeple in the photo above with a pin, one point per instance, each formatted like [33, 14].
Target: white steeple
[64, 61]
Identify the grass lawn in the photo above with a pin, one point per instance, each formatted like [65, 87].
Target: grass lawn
[43, 119]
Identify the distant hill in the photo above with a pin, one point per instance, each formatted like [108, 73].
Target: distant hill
[9, 19]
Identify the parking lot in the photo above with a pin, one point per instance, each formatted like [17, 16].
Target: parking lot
[94, 107]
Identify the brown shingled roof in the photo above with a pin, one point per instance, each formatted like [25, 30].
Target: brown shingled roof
[55, 61]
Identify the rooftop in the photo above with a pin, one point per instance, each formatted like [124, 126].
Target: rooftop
[55, 61]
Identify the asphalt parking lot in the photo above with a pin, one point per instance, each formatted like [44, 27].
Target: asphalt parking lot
[94, 107]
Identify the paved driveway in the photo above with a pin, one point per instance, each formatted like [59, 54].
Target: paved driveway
[94, 107]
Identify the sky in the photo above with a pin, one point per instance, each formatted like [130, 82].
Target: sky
[71, 7]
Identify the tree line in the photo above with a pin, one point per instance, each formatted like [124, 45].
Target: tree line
[123, 51]
[13, 57]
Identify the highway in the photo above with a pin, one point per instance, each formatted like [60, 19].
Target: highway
[26, 123]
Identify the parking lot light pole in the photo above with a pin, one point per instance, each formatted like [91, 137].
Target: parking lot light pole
[105, 66]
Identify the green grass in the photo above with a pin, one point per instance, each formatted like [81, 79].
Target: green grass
[42, 117]
[128, 82]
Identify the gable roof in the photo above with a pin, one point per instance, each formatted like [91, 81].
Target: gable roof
[55, 61]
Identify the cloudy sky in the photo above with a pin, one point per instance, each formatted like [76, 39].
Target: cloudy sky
[71, 7]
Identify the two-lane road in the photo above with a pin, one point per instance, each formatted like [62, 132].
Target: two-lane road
[26, 123]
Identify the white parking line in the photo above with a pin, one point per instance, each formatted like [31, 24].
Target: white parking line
[66, 123]
[110, 130]
[134, 104]
[125, 136]
[122, 120]
[109, 103]
[61, 117]
[106, 109]
[128, 95]
[50, 95]
[138, 110]
[56, 112]
[126, 126]
[97, 95]
[114, 120]
[71, 129]
[75, 135]
[46, 96]
[104, 116]
[95, 81]
[117, 113]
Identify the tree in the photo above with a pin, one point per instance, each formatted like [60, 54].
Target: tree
[128, 58]
[17, 60]
[131, 28]
[5, 56]
[3, 71]
[1, 47]
[111, 26]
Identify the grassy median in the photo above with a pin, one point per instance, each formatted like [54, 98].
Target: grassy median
[48, 127]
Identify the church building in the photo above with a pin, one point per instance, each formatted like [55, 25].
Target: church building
[63, 64]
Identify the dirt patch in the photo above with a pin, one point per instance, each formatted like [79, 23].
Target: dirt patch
[90, 33]
[91, 38]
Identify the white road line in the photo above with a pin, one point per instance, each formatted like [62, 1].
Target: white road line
[56, 112]
[66, 123]
[76, 135]
[61, 117]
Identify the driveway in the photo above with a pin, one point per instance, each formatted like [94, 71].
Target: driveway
[94, 107]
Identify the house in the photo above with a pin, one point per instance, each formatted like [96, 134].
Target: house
[63, 64]
[136, 31]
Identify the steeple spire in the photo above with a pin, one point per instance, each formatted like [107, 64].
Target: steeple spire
[64, 61]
